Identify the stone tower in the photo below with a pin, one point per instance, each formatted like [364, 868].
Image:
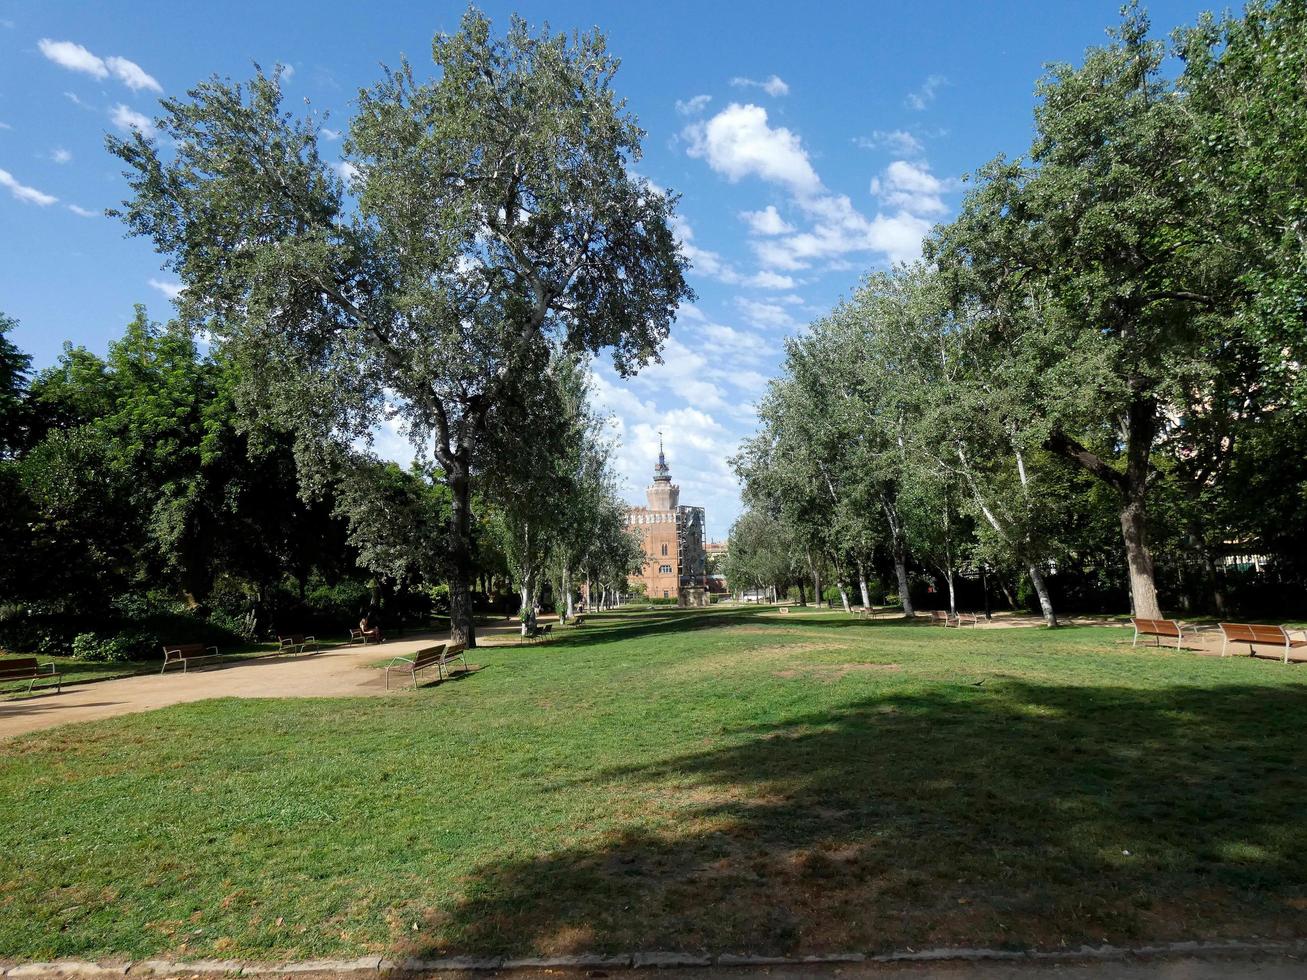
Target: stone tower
[663, 494]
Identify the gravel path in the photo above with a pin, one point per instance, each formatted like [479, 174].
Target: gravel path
[338, 672]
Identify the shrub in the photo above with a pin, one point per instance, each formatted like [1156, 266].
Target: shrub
[120, 648]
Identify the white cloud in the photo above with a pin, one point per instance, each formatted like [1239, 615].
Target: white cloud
[765, 314]
[126, 118]
[738, 143]
[287, 71]
[5, 125]
[348, 172]
[83, 212]
[766, 279]
[766, 222]
[74, 57]
[898, 141]
[28, 195]
[331, 134]
[132, 75]
[773, 85]
[693, 106]
[60, 155]
[925, 95]
[911, 188]
[170, 289]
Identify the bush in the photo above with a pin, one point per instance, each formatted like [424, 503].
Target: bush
[243, 627]
[119, 648]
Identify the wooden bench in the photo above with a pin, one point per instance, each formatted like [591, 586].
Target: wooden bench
[962, 619]
[939, 616]
[540, 632]
[30, 670]
[365, 637]
[578, 621]
[438, 657]
[296, 643]
[184, 653]
[1162, 629]
[1252, 633]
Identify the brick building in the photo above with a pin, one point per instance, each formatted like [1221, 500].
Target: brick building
[673, 537]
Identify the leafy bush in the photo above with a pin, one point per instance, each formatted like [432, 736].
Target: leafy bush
[243, 627]
[120, 648]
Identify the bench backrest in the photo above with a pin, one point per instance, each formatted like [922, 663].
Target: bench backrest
[1254, 633]
[454, 649]
[1157, 627]
[293, 638]
[17, 665]
[428, 656]
[180, 651]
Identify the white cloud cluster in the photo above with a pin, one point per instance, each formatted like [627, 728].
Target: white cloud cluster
[773, 85]
[768, 221]
[925, 95]
[170, 289]
[83, 212]
[709, 263]
[127, 118]
[898, 141]
[693, 105]
[28, 195]
[74, 57]
[910, 188]
[740, 142]
[60, 155]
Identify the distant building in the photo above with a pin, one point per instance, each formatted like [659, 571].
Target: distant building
[675, 563]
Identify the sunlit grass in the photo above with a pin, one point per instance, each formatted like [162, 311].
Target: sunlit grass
[727, 780]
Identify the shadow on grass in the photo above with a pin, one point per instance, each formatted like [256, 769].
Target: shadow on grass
[1007, 815]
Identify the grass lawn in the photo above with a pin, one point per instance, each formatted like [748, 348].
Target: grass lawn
[731, 780]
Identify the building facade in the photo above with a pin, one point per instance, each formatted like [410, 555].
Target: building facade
[672, 534]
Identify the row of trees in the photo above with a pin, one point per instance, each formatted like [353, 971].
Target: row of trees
[1097, 368]
[134, 488]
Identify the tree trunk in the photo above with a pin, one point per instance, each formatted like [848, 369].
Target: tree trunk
[1140, 428]
[844, 597]
[528, 612]
[1218, 593]
[1139, 559]
[1045, 600]
[952, 593]
[567, 590]
[901, 572]
[984, 587]
[862, 586]
[462, 628]
[803, 600]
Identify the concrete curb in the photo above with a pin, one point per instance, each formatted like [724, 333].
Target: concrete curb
[643, 960]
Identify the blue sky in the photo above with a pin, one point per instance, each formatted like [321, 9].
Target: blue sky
[810, 143]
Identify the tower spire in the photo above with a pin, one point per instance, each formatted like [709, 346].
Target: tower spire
[662, 473]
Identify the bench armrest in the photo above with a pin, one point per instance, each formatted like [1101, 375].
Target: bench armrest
[397, 661]
[48, 668]
[1291, 633]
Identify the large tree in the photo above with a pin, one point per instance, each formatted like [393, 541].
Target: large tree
[493, 211]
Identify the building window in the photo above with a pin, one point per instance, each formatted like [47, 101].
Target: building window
[664, 551]
[664, 593]
[664, 569]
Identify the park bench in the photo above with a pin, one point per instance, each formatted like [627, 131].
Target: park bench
[578, 621]
[1162, 629]
[365, 637]
[28, 669]
[296, 644]
[1252, 633]
[962, 619]
[185, 653]
[540, 632]
[939, 616]
[438, 657]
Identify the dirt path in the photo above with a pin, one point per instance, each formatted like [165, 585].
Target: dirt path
[339, 672]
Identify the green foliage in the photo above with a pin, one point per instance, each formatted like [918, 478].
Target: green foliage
[115, 649]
